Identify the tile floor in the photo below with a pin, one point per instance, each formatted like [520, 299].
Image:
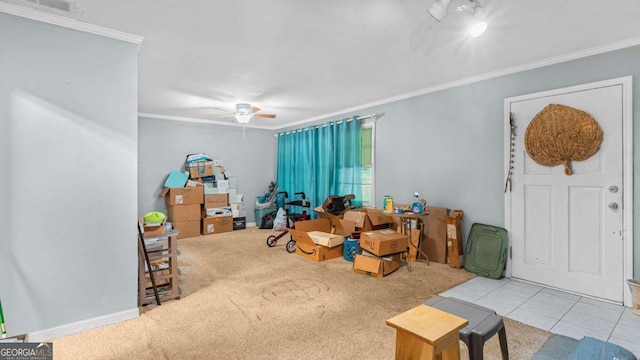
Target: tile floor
[552, 310]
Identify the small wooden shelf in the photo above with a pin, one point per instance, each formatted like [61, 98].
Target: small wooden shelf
[165, 248]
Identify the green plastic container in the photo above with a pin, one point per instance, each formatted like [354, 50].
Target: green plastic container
[486, 251]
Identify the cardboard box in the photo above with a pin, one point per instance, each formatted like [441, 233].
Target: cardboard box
[215, 201]
[419, 224]
[187, 228]
[151, 230]
[183, 196]
[326, 239]
[325, 215]
[368, 219]
[305, 246]
[383, 242]
[435, 243]
[454, 239]
[217, 225]
[369, 264]
[180, 213]
[200, 169]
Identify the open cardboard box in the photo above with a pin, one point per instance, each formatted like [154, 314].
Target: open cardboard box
[368, 219]
[326, 239]
[369, 264]
[189, 195]
[325, 215]
[152, 229]
[307, 248]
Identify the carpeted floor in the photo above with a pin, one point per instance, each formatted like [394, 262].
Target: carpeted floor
[243, 300]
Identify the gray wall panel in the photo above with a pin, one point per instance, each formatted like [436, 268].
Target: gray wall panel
[164, 144]
[68, 105]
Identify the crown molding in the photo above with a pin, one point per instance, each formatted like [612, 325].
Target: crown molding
[69, 23]
[203, 121]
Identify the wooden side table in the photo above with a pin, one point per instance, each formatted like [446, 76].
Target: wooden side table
[427, 333]
[405, 223]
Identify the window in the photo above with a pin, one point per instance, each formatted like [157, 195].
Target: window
[367, 164]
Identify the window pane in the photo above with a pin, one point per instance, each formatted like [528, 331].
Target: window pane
[367, 177]
[367, 185]
[366, 146]
[367, 194]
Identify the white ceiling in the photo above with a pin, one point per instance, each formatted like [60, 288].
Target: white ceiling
[306, 60]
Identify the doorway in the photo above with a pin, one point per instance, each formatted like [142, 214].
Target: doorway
[574, 232]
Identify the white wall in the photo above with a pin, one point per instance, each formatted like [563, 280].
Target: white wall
[68, 160]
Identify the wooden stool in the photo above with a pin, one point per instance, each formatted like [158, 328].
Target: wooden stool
[427, 333]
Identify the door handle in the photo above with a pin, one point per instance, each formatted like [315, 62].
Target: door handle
[613, 206]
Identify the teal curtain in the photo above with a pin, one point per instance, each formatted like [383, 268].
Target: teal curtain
[321, 161]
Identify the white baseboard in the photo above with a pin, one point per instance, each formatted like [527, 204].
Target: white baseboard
[84, 325]
[251, 224]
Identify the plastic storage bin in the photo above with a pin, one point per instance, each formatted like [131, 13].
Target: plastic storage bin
[350, 249]
[261, 212]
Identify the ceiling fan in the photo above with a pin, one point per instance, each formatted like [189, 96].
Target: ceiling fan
[244, 112]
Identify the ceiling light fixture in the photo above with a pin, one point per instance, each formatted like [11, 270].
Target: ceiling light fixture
[243, 113]
[243, 118]
[440, 7]
[477, 29]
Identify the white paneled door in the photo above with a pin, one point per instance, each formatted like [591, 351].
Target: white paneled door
[567, 231]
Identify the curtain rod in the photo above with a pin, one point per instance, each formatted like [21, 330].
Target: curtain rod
[363, 117]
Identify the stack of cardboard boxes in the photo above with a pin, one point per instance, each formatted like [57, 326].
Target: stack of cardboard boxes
[183, 209]
[216, 214]
[219, 183]
[381, 252]
[205, 203]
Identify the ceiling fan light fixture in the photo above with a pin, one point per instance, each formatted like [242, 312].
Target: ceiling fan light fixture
[439, 9]
[243, 118]
[477, 29]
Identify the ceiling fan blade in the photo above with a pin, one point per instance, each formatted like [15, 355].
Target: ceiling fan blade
[254, 110]
[266, 116]
[225, 109]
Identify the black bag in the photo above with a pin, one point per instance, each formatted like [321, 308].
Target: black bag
[267, 220]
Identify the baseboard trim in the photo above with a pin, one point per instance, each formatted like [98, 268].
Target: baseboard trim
[83, 325]
[250, 224]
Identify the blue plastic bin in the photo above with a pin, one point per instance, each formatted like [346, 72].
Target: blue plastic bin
[350, 249]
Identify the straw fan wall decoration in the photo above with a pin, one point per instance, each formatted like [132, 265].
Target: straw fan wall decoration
[560, 134]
